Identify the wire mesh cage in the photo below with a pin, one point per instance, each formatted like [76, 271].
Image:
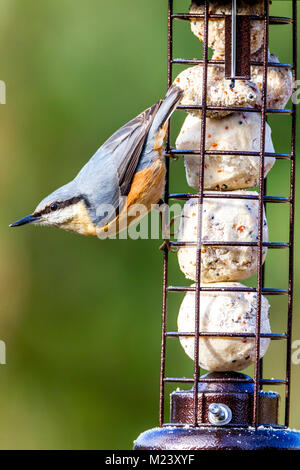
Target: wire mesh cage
[193, 409]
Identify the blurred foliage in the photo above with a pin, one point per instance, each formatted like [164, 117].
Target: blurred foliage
[81, 317]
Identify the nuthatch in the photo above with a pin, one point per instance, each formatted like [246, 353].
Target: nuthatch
[128, 169]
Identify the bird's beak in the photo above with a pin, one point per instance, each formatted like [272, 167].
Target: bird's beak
[26, 220]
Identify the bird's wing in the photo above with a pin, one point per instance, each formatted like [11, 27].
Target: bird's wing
[125, 146]
[106, 178]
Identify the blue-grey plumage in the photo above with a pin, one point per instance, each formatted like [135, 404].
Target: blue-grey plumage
[127, 169]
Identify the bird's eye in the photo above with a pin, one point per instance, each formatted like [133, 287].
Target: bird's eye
[54, 206]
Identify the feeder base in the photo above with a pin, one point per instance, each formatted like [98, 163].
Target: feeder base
[216, 438]
[236, 391]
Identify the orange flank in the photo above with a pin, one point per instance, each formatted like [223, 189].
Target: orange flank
[81, 222]
[159, 138]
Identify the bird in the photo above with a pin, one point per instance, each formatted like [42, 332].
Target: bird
[127, 170]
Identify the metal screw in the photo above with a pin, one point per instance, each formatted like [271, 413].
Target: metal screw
[219, 414]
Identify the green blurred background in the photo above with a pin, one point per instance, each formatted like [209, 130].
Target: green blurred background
[81, 317]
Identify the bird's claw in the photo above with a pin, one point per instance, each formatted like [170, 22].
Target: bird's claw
[165, 246]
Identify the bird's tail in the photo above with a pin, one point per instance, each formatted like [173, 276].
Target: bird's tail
[167, 107]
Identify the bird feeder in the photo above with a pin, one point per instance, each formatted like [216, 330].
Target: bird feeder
[226, 409]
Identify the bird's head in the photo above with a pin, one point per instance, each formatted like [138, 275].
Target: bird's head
[65, 208]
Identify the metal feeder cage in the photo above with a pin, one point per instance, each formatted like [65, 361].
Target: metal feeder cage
[229, 410]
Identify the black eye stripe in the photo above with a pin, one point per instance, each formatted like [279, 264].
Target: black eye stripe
[59, 205]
